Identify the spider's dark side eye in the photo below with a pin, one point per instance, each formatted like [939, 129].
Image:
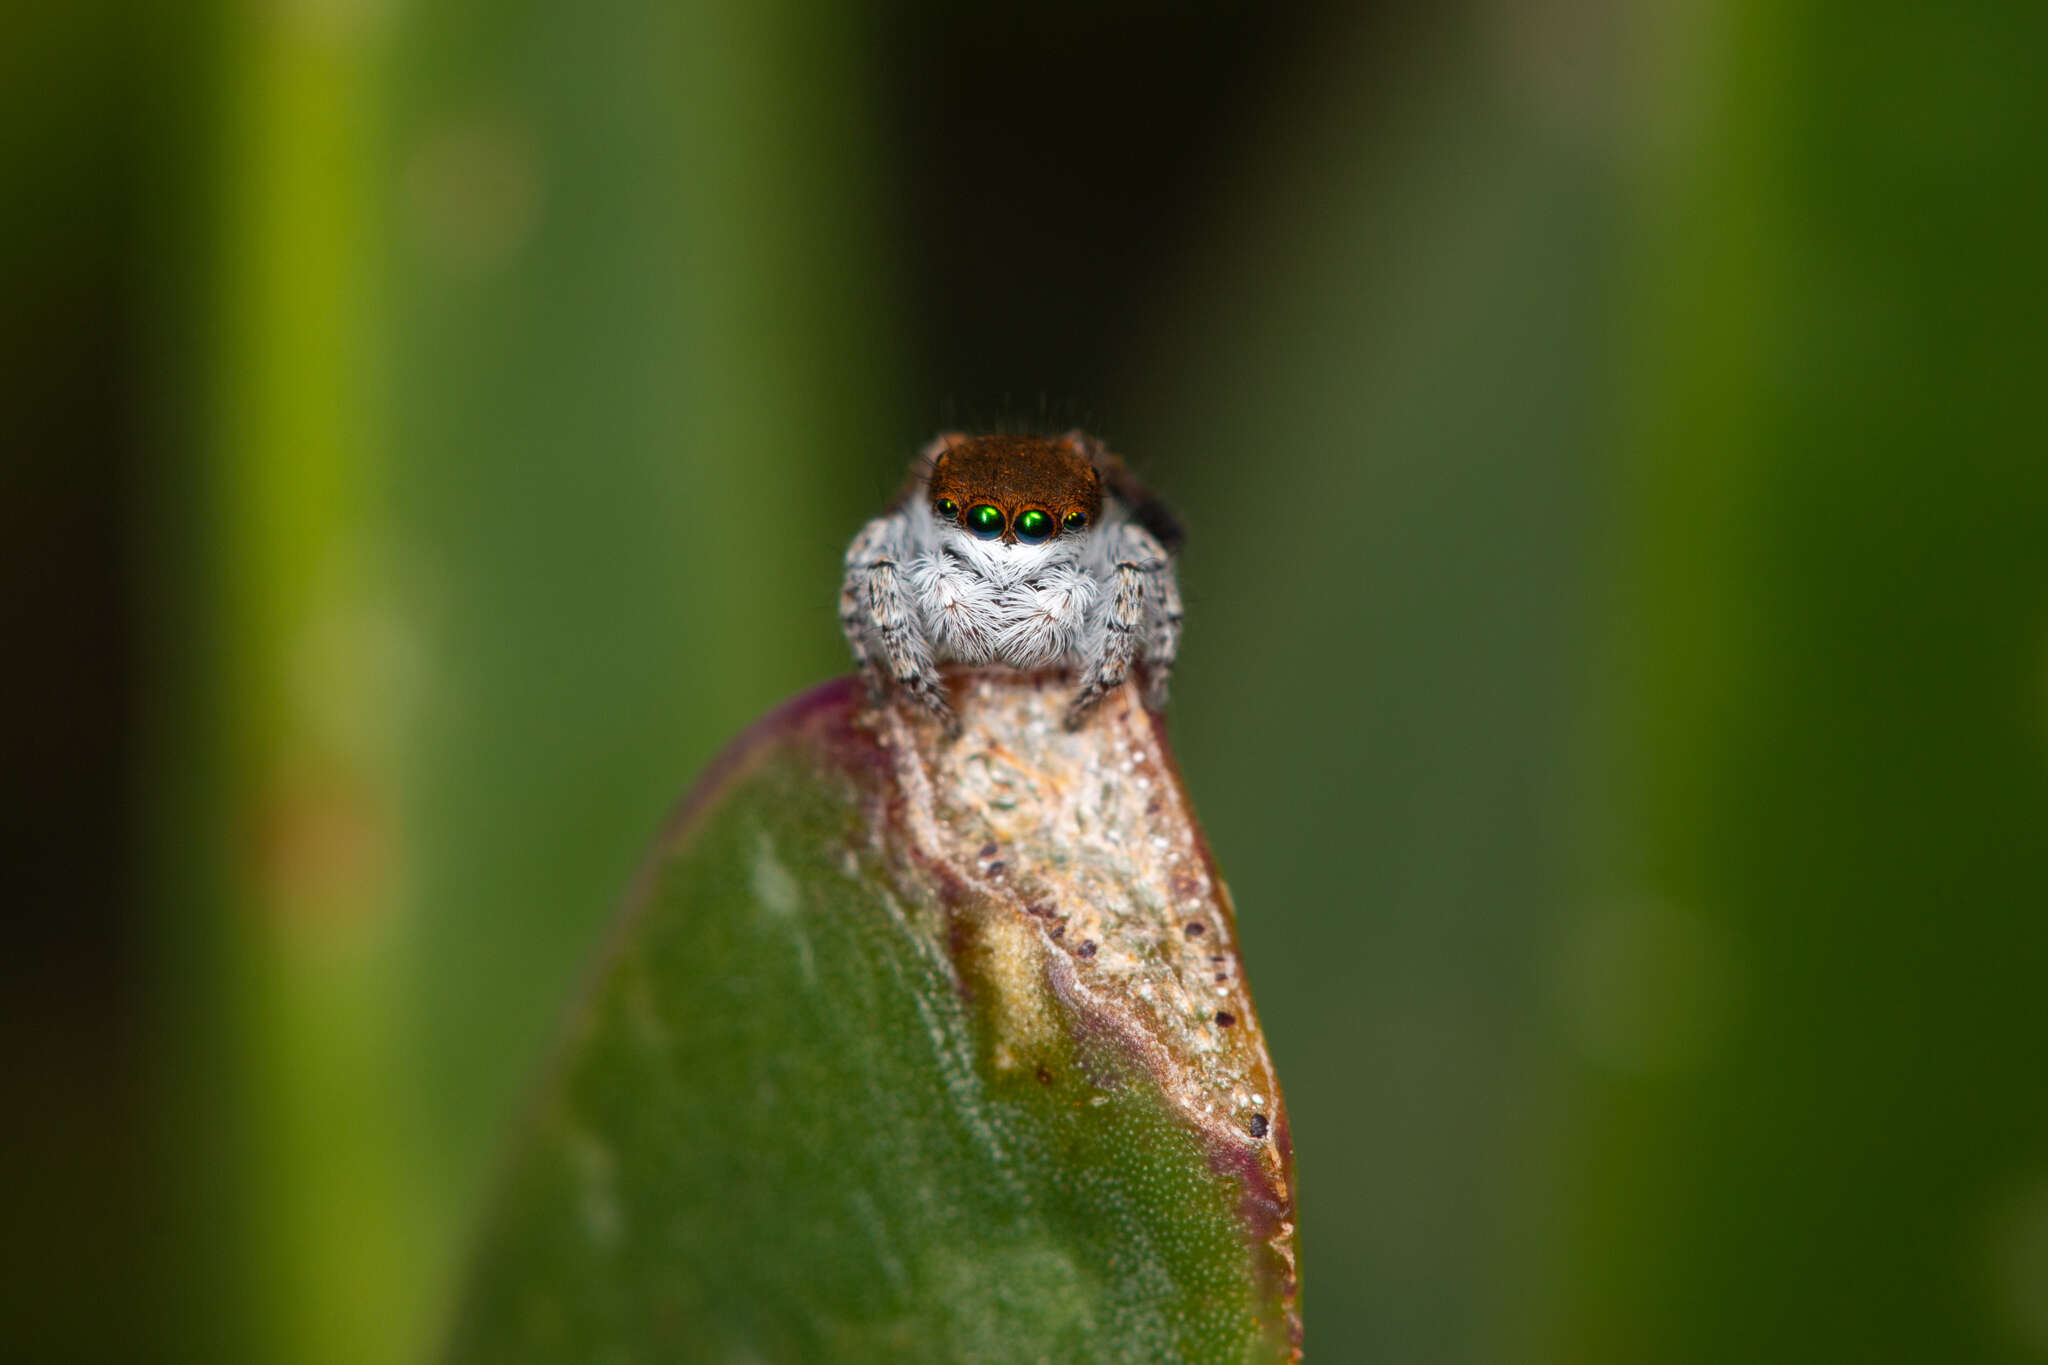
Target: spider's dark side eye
[946, 507]
[1033, 524]
[985, 521]
[1076, 520]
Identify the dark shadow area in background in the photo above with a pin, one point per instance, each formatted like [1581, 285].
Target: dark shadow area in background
[1052, 160]
[70, 428]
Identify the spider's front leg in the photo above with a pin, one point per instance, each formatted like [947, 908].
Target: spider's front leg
[1141, 581]
[1162, 642]
[881, 628]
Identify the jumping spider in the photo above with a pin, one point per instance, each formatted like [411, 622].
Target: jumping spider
[1029, 551]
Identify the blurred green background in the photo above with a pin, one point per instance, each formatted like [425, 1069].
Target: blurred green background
[1616, 680]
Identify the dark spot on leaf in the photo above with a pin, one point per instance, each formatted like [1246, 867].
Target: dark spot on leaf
[1044, 1076]
[1194, 928]
[1224, 1018]
[1259, 1125]
[1087, 948]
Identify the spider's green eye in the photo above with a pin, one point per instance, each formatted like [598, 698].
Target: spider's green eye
[1033, 524]
[946, 507]
[985, 521]
[1076, 520]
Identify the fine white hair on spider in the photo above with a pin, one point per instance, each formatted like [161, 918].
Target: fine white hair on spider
[1030, 551]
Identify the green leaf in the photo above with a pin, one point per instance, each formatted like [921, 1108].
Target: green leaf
[909, 1050]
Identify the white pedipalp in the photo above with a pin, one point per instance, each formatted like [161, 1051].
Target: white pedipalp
[1042, 622]
[959, 608]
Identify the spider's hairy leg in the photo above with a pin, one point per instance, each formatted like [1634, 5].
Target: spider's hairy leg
[853, 617]
[1136, 560]
[880, 625]
[1162, 642]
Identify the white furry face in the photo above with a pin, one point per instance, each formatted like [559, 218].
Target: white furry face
[1005, 562]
